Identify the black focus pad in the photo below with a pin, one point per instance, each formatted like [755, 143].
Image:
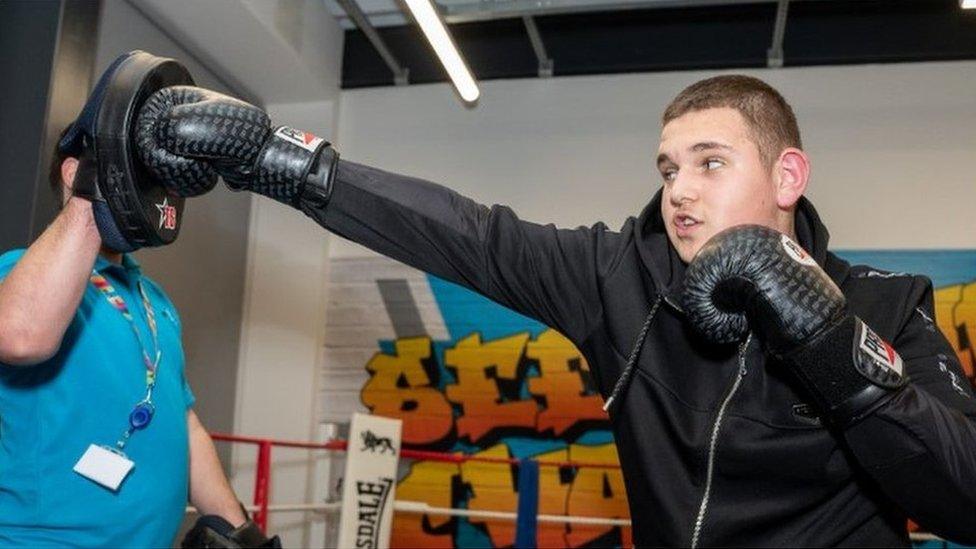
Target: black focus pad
[754, 274]
[146, 213]
[133, 208]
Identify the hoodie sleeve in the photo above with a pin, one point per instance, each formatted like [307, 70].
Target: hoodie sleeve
[540, 271]
[920, 446]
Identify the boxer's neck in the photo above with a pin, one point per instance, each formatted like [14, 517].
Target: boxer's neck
[111, 256]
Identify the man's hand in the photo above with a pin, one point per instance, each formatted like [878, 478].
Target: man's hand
[754, 277]
[223, 521]
[184, 124]
[212, 531]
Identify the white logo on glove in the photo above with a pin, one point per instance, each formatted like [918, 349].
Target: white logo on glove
[305, 140]
[880, 350]
[796, 252]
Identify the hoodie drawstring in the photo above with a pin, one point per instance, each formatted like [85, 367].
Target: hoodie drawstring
[624, 380]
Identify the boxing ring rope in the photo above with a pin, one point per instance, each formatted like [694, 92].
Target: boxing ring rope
[261, 506]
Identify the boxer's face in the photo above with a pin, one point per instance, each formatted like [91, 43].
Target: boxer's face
[714, 178]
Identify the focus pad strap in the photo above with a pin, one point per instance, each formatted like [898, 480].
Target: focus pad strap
[848, 370]
[85, 184]
[108, 228]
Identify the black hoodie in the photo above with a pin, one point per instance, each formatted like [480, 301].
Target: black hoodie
[717, 445]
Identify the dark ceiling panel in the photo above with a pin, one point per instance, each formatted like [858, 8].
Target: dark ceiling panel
[817, 33]
[662, 39]
[493, 49]
[876, 31]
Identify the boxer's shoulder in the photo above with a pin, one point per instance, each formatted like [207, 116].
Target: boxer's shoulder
[886, 300]
[873, 273]
[876, 284]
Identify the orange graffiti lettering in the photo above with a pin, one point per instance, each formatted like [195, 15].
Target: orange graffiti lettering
[597, 493]
[492, 487]
[553, 498]
[430, 482]
[955, 313]
[400, 388]
[561, 384]
[480, 367]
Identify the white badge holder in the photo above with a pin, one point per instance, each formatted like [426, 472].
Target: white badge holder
[104, 466]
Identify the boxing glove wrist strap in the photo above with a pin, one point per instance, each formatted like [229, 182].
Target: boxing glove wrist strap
[318, 183]
[848, 370]
[288, 161]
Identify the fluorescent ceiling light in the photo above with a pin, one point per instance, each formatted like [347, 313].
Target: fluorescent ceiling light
[429, 21]
[968, 4]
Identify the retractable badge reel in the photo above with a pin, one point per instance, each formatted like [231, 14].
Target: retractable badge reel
[103, 464]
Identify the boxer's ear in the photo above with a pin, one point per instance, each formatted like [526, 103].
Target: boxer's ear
[69, 167]
[791, 172]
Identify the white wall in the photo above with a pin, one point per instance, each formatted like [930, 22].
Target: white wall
[275, 51]
[282, 342]
[891, 145]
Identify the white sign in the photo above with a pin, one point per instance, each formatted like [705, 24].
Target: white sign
[369, 484]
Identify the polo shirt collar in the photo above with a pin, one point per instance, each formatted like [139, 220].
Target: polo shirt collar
[129, 264]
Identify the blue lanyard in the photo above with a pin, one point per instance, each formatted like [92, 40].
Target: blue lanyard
[142, 412]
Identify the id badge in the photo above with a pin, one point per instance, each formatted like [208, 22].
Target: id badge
[104, 466]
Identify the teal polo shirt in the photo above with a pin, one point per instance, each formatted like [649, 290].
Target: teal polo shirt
[50, 413]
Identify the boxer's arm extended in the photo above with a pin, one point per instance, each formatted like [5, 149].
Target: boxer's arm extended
[547, 273]
[41, 294]
[540, 271]
[920, 446]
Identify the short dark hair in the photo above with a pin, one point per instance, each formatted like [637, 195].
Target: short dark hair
[771, 121]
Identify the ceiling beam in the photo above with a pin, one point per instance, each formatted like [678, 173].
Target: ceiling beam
[480, 10]
[539, 47]
[401, 74]
[774, 55]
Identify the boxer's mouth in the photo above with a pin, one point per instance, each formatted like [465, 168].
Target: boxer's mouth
[684, 224]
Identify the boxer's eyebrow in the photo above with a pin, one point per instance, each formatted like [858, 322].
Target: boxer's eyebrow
[663, 158]
[709, 146]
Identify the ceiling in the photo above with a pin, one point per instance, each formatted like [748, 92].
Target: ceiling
[540, 38]
[387, 13]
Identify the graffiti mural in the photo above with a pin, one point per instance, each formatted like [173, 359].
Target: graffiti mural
[467, 375]
[513, 396]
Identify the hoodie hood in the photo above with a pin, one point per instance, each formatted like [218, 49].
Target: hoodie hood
[667, 276]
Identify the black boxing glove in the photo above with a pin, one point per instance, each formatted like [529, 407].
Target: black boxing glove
[186, 123]
[212, 531]
[755, 277]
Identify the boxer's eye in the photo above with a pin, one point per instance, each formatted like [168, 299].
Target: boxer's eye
[713, 164]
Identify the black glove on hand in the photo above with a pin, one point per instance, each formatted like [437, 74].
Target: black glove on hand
[212, 531]
[185, 125]
[753, 276]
